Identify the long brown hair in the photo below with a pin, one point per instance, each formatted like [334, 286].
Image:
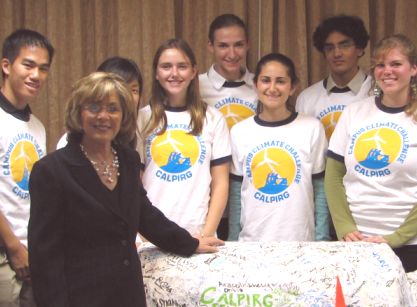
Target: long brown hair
[159, 99]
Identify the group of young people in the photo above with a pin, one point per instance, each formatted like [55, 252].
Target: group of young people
[223, 141]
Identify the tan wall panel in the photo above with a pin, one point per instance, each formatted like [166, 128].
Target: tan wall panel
[85, 32]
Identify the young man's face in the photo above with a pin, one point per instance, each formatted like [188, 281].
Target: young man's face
[229, 49]
[342, 55]
[25, 77]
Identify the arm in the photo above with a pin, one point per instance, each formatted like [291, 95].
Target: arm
[45, 237]
[168, 235]
[16, 251]
[218, 197]
[156, 228]
[405, 232]
[336, 198]
[321, 211]
[208, 245]
[153, 225]
[219, 170]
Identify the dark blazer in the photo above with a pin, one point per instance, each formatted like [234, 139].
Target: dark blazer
[81, 247]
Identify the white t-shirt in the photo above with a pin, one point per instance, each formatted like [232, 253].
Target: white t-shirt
[21, 145]
[235, 103]
[177, 165]
[277, 161]
[379, 148]
[328, 106]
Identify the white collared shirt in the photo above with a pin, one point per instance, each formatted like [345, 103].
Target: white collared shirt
[327, 106]
[235, 103]
[354, 85]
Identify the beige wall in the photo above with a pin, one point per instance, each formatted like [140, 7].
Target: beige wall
[85, 32]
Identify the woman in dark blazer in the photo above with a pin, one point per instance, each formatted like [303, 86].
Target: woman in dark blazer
[88, 203]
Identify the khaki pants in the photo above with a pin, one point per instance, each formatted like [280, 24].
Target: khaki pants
[13, 292]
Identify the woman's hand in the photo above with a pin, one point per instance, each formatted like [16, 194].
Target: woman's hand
[353, 237]
[375, 239]
[208, 244]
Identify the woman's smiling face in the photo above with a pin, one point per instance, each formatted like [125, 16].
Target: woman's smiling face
[174, 73]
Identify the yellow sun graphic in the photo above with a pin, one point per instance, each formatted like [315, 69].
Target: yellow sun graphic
[272, 160]
[174, 141]
[329, 122]
[234, 113]
[385, 141]
[22, 158]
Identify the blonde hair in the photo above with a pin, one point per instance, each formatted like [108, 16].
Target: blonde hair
[159, 99]
[406, 47]
[97, 87]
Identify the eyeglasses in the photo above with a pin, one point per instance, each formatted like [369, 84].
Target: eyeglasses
[327, 48]
[95, 107]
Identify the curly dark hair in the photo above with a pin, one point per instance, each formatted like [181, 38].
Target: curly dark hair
[351, 26]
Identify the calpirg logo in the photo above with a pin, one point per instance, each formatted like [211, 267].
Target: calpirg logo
[375, 147]
[18, 161]
[175, 152]
[272, 168]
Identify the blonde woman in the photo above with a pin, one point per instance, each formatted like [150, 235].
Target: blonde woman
[371, 178]
[87, 204]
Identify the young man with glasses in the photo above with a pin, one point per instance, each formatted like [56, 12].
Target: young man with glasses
[342, 40]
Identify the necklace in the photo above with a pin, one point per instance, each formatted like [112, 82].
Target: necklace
[103, 168]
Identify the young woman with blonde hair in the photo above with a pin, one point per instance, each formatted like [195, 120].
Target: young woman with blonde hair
[371, 179]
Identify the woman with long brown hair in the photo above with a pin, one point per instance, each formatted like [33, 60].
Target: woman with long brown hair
[184, 144]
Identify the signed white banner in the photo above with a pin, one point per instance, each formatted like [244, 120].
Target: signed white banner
[278, 274]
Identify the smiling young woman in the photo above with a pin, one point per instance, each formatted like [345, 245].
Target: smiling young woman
[184, 144]
[277, 155]
[370, 175]
[394, 71]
